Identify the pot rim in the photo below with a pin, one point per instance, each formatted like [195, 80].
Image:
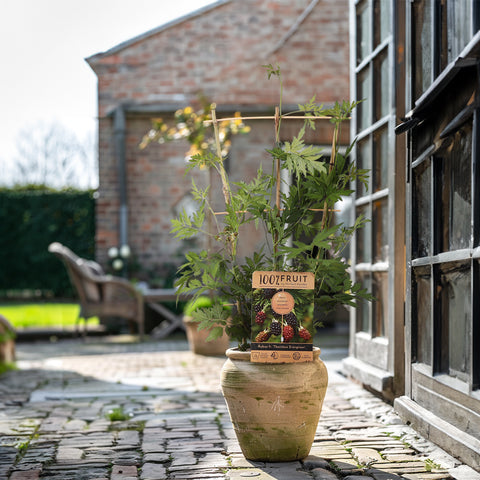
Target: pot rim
[236, 354]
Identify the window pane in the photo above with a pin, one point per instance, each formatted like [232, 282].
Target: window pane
[422, 316]
[476, 328]
[442, 203]
[453, 186]
[380, 305]
[380, 169]
[363, 31]
[364, 156]
[382, 85]
[422, 139]
[364, 238]
[364, 109]
[461, 200]
[423, 23]
[459, 25]
[422, 201]
[363, 310]
[383, 12]
[456, 320]
[380, 230]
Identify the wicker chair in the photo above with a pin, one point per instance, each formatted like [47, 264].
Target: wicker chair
[100, 295]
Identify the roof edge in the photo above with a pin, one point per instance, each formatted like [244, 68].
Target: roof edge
[195, 13]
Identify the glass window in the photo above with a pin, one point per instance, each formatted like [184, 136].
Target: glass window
[364, 41]
[383, 12]
[454, 292]
[422, 201]
[364, 93]
[380, 305]
[423, 51]
[364, 158]
[364, 235]
[422, 315]
[442, 204]
[454, 192]
[422, 140]
[380, 169]
[459, 27]
[476, 329]
[363, 309]
[373, 89]
[461, 195]
[382, 85]
[380, 230]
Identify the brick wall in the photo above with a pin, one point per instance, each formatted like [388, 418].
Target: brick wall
[217, 52]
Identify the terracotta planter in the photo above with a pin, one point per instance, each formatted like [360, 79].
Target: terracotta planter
[274, 408]
[197, 339]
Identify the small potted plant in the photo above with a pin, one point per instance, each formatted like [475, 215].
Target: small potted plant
[200, 340]
[274, 407]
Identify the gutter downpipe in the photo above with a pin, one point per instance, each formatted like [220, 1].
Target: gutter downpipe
[119, 129]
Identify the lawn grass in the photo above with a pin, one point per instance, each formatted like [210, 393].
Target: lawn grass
[42, 315]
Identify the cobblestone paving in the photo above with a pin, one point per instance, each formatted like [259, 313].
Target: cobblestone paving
[155, 411]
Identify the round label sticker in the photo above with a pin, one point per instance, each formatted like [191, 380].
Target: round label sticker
[282, 303]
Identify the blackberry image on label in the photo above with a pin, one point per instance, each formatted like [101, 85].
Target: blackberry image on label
[260, 317]
[275, 328]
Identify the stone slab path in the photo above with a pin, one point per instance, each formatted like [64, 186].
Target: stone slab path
[121, 411]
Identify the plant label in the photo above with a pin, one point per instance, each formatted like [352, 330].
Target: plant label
[282, 317]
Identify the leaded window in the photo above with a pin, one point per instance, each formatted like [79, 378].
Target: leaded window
[374, 151]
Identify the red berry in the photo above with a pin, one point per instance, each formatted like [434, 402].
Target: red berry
[288, 333]
[305, 334]
[260, 317]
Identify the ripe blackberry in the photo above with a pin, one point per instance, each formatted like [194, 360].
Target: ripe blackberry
[269, 292]
[258, 307]
[288, 333]
[275, 328]
[292, 320]
[260, 317]
[305, 334]
[263, 336]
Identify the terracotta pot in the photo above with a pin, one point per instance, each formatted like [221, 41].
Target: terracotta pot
[197, 340]
[274, 408]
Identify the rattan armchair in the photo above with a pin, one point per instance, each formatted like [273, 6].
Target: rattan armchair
[100, 295]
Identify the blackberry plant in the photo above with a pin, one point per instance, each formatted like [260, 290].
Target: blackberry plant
[289, 212]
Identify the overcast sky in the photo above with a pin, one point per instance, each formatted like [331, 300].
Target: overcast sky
[43, 43]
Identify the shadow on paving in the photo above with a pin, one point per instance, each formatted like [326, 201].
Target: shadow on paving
[118, 410]
[89, 416]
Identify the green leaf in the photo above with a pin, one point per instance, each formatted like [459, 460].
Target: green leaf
[215, 332]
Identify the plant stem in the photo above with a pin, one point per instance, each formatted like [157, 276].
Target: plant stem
[221, 167]
[277, 159]
[326, 213]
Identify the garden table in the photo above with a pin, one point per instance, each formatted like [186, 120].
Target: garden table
[171, 321]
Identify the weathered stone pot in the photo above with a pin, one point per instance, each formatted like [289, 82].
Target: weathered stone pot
[197, 339]
[274, 408]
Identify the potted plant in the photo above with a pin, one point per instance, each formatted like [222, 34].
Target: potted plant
[274, 407]
[200, 340]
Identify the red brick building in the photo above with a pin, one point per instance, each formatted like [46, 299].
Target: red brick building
[217, 51]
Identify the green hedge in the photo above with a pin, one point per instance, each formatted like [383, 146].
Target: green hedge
[32, 218]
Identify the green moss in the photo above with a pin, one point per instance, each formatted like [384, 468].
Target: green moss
[117, 414]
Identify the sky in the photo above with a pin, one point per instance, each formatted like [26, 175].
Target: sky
[44, 78]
